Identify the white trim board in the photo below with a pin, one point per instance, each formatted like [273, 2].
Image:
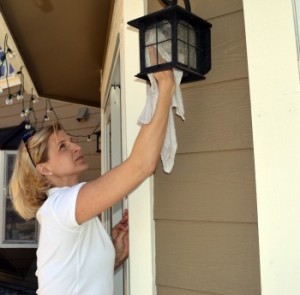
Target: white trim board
[275, 107]
[133, 97]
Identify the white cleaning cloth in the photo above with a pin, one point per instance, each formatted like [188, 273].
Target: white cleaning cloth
[170, 143]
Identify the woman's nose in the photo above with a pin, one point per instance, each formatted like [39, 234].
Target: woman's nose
[76, 147]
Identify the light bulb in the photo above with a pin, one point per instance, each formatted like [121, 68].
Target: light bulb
[46, 118]
[27, 126]
[33, 99]
[9, 101]
[20, 96]
[89, 138]
[22, 114]
[11, 53]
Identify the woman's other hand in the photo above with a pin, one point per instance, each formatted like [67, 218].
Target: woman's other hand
[120, 240]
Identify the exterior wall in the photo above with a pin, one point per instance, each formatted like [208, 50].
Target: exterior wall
[205, 210]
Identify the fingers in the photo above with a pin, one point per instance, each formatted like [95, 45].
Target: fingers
[121, 226]
[120, 237]
[121, 244]
[123, 222]
[125, 217]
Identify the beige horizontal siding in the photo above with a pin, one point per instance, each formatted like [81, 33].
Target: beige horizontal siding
[172, 291]
[217, 118]
[205, 210]
[229, 58]
[215, 186]
[217, 258]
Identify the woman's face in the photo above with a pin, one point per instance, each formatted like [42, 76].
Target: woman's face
[65, 159]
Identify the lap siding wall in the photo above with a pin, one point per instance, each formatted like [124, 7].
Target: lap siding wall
[205, 210]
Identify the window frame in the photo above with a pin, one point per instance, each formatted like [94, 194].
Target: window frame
[10, 243]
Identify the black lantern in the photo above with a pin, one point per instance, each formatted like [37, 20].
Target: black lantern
[181, 40]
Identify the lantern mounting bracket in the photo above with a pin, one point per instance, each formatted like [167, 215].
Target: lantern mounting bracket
[169, 2]
[174, 2]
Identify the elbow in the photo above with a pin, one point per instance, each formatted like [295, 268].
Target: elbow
[144, 167]
[150, 167]
[150, 170]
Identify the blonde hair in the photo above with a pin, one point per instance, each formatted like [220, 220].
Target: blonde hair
[28, 188]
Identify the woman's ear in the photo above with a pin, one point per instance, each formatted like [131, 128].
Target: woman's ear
[42, 169]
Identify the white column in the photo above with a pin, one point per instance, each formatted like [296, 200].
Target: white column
[133, 91]
[275, 106]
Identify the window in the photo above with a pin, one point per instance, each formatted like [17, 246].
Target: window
[15, 232]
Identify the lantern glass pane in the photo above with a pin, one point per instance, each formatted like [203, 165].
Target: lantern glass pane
[183, 52]
[192, 37]
[183, 32]
[160, 32]
[163, 50]
[187, 55]
[192, 57]
[164, 31]
[186, 33]
[187, 51]
[150, 36]
[158, 35]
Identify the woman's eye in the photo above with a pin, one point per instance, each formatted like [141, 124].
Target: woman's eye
[62, 146]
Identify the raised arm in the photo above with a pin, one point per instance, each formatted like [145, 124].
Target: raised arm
[103, 192]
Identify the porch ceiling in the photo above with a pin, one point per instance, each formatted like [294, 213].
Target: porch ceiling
[62, 44]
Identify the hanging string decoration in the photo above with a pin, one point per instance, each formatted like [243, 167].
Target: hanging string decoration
[28, 113]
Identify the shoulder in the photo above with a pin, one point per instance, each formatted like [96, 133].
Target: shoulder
[61, 191]
[60, 205]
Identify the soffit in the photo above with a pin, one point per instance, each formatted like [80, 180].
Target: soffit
[62, 44]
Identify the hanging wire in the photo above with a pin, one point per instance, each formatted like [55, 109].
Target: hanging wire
[5, 70]
[53, 111]
[88, 136]
[26, 113]
[49, 109]
[32, 111]
[21, 90]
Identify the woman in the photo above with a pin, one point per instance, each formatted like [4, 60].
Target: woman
[75, 254]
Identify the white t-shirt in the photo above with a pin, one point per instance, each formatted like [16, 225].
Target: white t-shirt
[72, 259]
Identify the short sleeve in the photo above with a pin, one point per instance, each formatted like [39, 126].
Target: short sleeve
[63, 205]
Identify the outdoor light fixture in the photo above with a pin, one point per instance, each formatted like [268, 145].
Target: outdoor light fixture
[180, 38]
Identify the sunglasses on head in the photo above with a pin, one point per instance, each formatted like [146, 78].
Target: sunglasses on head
[26, 137]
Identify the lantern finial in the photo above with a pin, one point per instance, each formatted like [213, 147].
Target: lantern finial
[169, 2]
[174, 2]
